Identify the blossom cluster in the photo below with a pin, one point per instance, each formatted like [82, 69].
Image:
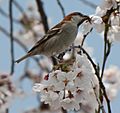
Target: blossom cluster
[72, 90]
[7, 90]
[99, 18]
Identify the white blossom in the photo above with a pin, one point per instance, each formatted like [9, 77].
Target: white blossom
[70, 103]
[7, 90]
[86, 27]
[114, 34]
[106, 5]
[114, 20]
[69, 89]
[96, 23]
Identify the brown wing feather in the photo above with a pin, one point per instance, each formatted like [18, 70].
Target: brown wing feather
[49, 35]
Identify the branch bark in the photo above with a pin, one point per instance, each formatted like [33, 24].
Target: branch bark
[42, 15]
[11, 37]
[61, 7]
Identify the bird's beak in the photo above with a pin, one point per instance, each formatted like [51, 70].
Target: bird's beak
[84, 18]
[87, 18]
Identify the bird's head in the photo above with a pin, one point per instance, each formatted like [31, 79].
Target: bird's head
[77, 18]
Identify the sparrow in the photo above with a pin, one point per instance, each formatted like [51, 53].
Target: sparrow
[59, 37]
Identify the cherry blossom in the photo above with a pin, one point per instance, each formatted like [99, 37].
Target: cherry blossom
[114, 33]
[96, 23]
[106, 5]
[7, 90]
[97, 20]
[69, 89]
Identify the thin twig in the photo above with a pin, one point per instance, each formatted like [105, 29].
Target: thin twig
[84, 37]
[88, 3]
[107, 100]
[107, 48]
[3, 13]
[42, 15]
[61, 7]
[18, 6]
[11, 37]
[97, 99]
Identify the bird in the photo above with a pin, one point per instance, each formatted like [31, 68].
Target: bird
[59, 37]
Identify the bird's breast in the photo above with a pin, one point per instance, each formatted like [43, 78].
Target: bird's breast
[69, 34]
[61, 41]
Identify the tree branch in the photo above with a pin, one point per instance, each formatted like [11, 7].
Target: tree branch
[11, 37]
[42, 15]
[61, 7]
[107, 48]
[84, 37]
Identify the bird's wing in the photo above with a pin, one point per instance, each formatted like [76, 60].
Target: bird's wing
[49, 35]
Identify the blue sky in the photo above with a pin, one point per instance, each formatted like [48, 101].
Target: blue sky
[54, 13]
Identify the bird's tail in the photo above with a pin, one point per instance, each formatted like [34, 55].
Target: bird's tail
[22, 58]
